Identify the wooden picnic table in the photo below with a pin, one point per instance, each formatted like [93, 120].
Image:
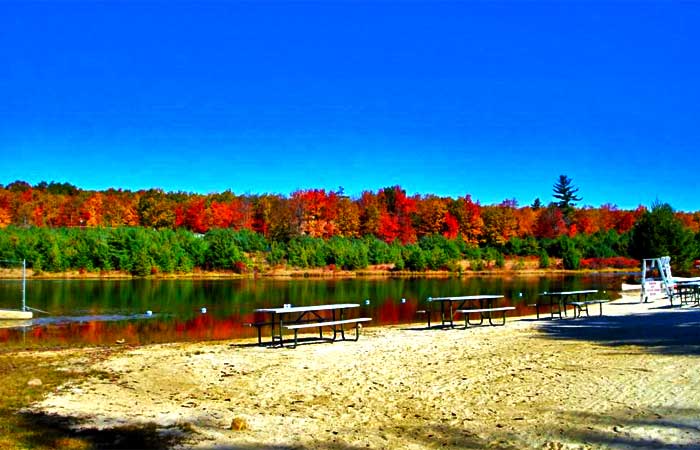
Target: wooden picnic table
[558, 301]
[451, 305]
[295, 318]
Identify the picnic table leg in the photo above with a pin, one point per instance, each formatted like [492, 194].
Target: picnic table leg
[503, 319]
[562, 306]
[282, 337]
[279, 324]
[490, 313]
[552, 301]
[320, 329]
[342, 328]
[481, 319]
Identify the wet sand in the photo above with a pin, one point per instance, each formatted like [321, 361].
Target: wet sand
[628, 379]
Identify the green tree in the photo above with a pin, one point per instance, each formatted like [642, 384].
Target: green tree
[571, 256]
[222, 251]
[414, 257]
[565, 192]
[544, 259]
[660, 233]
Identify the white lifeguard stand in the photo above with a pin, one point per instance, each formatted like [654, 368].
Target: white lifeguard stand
[654, 289]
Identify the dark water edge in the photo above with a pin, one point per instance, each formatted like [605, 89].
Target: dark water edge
[145, 311]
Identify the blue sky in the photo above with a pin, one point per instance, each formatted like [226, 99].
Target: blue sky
[494, 99]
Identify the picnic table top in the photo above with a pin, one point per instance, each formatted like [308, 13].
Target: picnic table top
[464, 297]
[298, 309]
[588, 291]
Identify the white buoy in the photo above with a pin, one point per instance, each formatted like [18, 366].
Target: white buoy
[149, 313]
[403, 300]
[204, 310]
[520, 294]
[367, 302]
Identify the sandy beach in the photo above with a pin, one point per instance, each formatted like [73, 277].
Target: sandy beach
[628, 379]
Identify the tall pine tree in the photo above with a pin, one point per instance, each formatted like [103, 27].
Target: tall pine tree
[565, 192]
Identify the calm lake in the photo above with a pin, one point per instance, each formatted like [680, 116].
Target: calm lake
[99, 312]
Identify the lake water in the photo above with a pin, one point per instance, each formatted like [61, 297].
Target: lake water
[141, 311]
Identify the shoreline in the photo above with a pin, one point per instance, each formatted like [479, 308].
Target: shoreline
[297, 274]
[624, 380]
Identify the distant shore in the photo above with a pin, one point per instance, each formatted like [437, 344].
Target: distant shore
[295, 274]
[381, 271]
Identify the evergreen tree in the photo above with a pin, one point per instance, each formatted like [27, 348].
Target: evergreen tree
[660, 233]
[565, 192]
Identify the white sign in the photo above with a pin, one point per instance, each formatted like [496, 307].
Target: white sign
[654, 290]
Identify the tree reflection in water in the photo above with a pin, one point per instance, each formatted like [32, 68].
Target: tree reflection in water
[104, 312]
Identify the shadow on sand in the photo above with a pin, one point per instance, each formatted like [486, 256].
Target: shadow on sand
[667, 330]
[51, 431]
[612, 430]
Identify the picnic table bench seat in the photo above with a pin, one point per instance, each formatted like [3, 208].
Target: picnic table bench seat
[485, 313]
[329, 323]
[261, 324]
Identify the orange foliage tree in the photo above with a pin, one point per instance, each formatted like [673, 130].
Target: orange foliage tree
[500, 223]
[468, 215]
[431, 212]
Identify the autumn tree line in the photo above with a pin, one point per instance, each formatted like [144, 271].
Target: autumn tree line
[59, 227]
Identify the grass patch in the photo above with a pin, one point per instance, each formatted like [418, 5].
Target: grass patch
[15, 431]
[23, 430]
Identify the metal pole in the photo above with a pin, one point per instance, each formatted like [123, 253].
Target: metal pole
[24, 285]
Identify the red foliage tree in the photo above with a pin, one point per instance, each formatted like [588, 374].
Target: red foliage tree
[402, 208]
[389, 228]
[451, 226]
[550, 223]
[195, 215]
